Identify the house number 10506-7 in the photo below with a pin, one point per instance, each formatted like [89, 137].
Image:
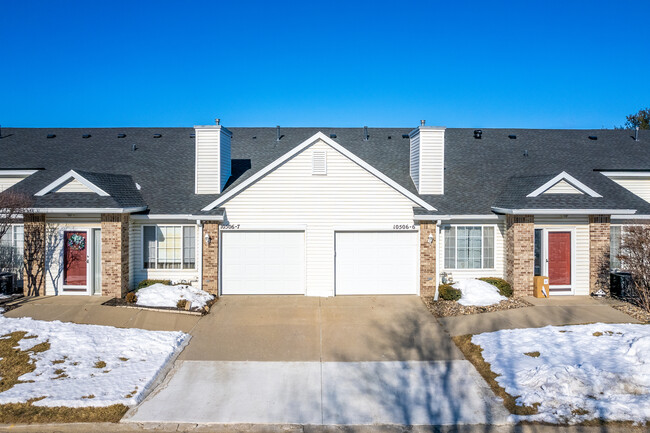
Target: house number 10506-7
[230, 227]
[404, 227]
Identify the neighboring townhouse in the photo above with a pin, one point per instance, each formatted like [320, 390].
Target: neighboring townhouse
[320, 211]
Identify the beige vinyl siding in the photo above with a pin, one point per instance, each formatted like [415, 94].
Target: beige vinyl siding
[432, 161]
[225, 164]
[74, 186]
[207, 161]
[639, 185]
[415, 160]
[54, 227]
[139, 273]
[499, 250]
[9, 181]
[348, 196]
[580, 225]
[563, 187]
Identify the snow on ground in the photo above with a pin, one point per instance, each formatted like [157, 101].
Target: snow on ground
[161, 295]
[603, 369]
[478, 293]
[132, 357]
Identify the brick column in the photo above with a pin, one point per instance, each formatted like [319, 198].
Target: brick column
[115, 254]
[210, 260]
[598, 252]
[427, 259]
[520, 253]
[34, 254]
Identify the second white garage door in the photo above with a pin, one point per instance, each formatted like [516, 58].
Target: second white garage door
[262, 263]
[376, 263]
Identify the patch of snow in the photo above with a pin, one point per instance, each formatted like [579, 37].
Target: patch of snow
[478, 293]
[161, 295]
[121, 381]
[601, 369]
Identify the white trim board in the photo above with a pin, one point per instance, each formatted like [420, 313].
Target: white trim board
[68, 176]
[564, 211]
[296, 150]
[4, 172]
[569, 179]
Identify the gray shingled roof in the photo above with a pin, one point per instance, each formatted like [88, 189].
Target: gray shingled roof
[478, 173]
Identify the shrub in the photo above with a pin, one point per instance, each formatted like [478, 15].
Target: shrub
[131, 298]
[505, 289]
[181, 304]
[146, 283]
[448, 292]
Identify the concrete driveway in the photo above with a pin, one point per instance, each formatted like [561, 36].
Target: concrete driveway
[321, 361]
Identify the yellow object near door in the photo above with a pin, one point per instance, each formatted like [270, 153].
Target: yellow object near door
[540, 289]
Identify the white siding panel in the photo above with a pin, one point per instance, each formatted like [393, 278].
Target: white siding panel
[139, 273]
[225, 163]
[415, 160]
[432, 161]
[9, 181]
[581, 260]
[563, 187]
[499, 270]
[74, 186]
[208, 161]
[638, 185]
[348, 196]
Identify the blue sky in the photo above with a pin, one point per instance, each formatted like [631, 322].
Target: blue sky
[550, 64]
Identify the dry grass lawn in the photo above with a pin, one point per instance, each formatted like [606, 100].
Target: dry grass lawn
[15, 363]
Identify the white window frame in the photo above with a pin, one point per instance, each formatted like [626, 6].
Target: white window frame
[156, 268]
[495, 229]
[12, 234]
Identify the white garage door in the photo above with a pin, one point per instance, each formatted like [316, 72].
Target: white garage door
[376, 263]
[258, 262]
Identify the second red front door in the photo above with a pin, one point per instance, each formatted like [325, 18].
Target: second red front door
[559, 258]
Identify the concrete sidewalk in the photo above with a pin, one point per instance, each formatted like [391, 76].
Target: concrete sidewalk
[556, 311]
[88, 310]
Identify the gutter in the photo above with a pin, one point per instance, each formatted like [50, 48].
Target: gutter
[90, 210]
[563, 211]
[178, 217]
[454, 217]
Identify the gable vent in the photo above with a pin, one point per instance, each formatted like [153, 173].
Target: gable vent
[319, 162]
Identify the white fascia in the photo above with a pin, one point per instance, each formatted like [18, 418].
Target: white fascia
[93, 210]
[17, 172]
[178, 217]
[296, 150]
[72, 174]
[455, 217]
[631, 217]
[564, 176]
[626, 173]
[564, 211]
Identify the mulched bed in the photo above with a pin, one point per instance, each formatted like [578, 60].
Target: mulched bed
[632, 310]
[121, 302]
[442, 308]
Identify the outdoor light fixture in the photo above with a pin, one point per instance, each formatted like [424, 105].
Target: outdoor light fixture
[430, 238]
[207, 238]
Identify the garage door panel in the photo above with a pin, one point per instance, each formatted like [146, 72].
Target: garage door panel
[259, 262]
[376, 263]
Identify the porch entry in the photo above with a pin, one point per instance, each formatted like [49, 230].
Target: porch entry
[81, 262]
[559, 261]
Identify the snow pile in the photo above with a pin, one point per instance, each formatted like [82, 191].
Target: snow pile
[582, 372]
[478, 293]
[114, 365]
[161, 295]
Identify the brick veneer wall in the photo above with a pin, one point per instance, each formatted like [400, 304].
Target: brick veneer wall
[115, 254]
[34, 254]
[427, 259]
[599, 226]
[520, 253]
[210, 263]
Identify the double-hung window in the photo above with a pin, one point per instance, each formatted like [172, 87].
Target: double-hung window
[169, 247]
[469, 247]
[11, 249]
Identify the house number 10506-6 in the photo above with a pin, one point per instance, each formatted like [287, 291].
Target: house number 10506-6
[404, 227]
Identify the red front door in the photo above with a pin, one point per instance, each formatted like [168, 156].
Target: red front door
[74, 259]
[559, 258]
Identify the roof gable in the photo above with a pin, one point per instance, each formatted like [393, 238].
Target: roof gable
[72, 182]
[564, 183]
[300, 148]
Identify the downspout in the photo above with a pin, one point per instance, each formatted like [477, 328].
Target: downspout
[435, 296]
[200, 259]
